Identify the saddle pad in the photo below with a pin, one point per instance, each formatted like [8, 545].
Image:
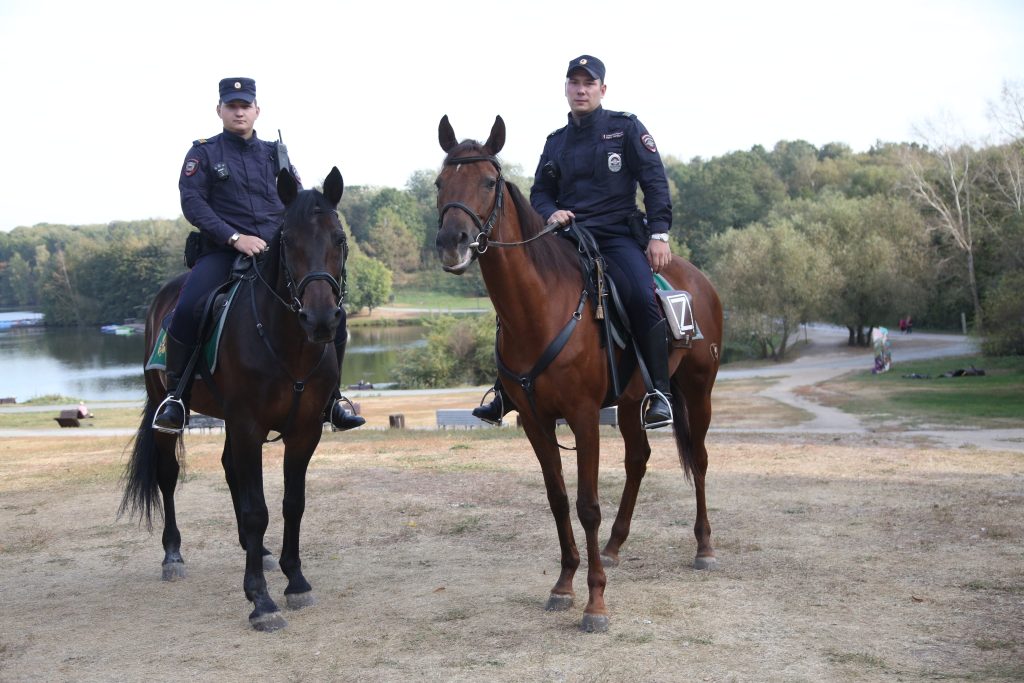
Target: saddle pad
[158, 358]
[678, 308]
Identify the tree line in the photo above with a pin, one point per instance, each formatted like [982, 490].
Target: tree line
[932, 229]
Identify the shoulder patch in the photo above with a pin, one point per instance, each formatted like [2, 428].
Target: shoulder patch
[648, 142]
[190, 168]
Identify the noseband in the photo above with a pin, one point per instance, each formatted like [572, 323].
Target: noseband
[296, 292]
[485, 228]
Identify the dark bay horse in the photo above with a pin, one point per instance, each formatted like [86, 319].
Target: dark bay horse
[535, 282]
[276, 369]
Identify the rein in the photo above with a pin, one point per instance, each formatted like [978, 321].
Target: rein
[481, 244]
[295, 306]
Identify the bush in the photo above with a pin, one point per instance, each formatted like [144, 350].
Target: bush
[1004, 317]
[459, 351]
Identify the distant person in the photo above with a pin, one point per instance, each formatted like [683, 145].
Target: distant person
[910, 324]
[228, 188]
[83, 412]
[589, 171]
[903, 325]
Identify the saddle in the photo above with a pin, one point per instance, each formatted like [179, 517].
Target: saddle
[676, 304]
[211, 324]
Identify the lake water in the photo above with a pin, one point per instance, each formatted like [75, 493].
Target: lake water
[88, 364]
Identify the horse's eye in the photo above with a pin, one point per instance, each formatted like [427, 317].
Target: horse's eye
[339, 238]
[491, 183]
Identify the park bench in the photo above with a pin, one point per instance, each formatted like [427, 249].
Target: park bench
[204, 423]
[458, 417]
[609, 416]
[7, 399]
[68, 418]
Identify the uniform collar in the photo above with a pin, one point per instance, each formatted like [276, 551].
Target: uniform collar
[239, 140]
[587, 120]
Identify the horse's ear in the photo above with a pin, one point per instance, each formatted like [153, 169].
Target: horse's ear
[497, 138]
[287, 188]
[334, 186]
[446, 135]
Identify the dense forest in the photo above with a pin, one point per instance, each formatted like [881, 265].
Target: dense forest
[932, 229]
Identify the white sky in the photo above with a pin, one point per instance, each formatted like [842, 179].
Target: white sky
[102, 99]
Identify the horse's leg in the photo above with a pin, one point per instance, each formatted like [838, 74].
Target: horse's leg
[167, 469]
[297, 453]
[541, 435]
[588, 508]
[638, 451]
[691, 422]
[247, 465]
[229, 475]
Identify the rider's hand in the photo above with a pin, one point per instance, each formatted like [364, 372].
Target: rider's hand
[562, 217]
[250, 245]
[658, 254]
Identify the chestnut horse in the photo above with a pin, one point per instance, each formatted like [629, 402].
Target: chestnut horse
[535, 281]
[276, 370]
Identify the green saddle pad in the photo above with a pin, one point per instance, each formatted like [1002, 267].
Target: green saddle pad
[158, 357]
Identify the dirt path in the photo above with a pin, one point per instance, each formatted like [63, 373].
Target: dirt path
[843, 556]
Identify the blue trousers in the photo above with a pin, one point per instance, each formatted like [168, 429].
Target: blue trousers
[628, 268]
[210, 271]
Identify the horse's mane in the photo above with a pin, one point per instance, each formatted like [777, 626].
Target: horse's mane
[552, 255]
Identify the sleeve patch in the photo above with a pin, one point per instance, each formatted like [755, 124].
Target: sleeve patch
[191, 166]
[648, 142]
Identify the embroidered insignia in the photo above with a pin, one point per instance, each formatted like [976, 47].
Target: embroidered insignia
[612, 135]
[614, 162]
[648, 141]
[191, 166]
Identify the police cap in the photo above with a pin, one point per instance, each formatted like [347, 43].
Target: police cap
[592, 65]
[237, 88]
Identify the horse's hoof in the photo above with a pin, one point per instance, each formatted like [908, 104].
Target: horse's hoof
[269, 563]
[558, 602]
[299, 600]
[271, 621]
[705, 562]
[609, 560]
[172, 571]
[594, 623]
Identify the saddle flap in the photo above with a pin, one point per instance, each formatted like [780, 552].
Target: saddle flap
[678, 307]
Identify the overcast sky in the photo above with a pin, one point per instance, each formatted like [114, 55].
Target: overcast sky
[102, 99]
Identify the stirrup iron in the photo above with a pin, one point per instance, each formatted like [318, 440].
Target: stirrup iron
[159, 409]
[645, 405]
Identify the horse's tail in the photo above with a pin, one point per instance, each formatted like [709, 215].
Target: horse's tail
[681, 429]
[140, 478]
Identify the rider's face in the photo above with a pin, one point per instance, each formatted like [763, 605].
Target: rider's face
[238, 116]
[583, 92]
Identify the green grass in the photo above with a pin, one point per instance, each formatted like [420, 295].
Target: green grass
[995, 399]
[414, 297]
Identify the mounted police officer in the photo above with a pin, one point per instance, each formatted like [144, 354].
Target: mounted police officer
[228, 189]
[588, 172]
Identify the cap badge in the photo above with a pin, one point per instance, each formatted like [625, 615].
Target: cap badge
[238, 85]
[614, 162]
[583, 61]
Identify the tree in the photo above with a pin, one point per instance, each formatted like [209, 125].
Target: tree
[944, 183]
[369, 282]
[771, 279]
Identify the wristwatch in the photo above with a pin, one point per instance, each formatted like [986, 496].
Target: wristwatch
[233, 239]
[663, 236]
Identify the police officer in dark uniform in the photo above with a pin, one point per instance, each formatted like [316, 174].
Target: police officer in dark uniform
[589, 171]
[228, 189]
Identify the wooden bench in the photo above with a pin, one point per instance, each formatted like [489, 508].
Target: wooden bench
[7, 399]
[609, 416]
[459, 417]
[204, 423]
[68, 418]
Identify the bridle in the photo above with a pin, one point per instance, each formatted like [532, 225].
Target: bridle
[485, 227]
[296, 292]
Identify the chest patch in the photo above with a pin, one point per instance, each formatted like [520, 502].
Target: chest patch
[191, 166]
[648, 142]
[613, 135]
[614, 162]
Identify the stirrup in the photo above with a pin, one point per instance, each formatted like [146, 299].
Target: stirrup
[353, 420]
[645, 405]
[184, 416]
[478, 412]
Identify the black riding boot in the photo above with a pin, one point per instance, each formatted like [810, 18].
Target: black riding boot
[173, 412]
[498, 408]
[654, 348]
[340, 417]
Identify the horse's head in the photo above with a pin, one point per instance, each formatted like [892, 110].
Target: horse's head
[470, 191]
[313, 253]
